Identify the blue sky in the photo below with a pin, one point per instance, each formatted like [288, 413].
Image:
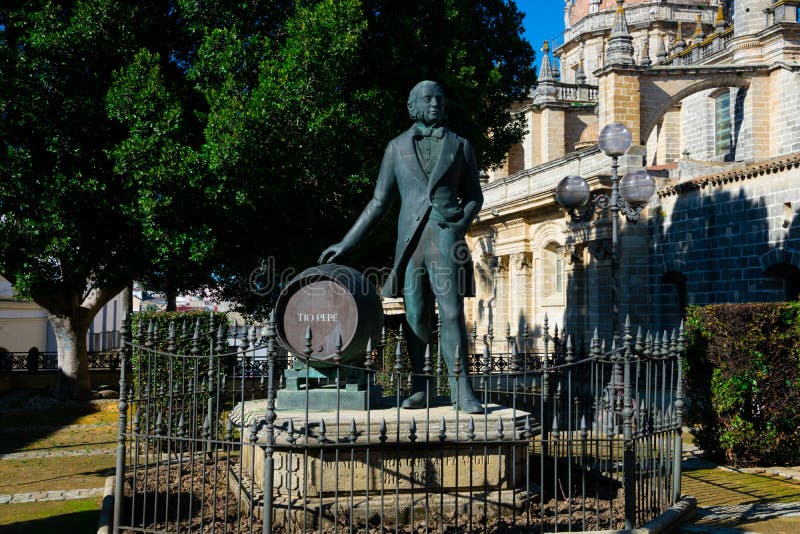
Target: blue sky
[544, 19]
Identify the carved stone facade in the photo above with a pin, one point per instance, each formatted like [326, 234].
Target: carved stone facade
[712, 98]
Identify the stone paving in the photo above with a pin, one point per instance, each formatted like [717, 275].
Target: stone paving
[57, 495]
[31, 455]
[735, 500]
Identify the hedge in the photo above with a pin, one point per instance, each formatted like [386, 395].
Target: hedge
[184, 322]
[742, 371]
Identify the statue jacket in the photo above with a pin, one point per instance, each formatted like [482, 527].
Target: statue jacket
[452, 192]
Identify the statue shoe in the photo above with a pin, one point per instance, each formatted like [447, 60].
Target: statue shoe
[468, 404]
[414, 401]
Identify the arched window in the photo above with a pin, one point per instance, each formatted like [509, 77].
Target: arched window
[552, 267]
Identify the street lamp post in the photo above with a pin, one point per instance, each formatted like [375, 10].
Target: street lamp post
[628, 197]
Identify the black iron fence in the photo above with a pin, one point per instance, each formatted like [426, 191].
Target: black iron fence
[564, 440]
[35, 361]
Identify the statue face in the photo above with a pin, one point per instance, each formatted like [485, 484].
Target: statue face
[430, 103]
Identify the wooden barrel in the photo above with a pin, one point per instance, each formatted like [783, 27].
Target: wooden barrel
[331, 299]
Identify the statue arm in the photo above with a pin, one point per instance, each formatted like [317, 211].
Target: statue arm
[471, 194]
[382, 198]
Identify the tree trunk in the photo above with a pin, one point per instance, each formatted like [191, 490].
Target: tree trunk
[172, 297]
[73, 361]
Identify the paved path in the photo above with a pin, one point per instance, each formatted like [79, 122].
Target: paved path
[58, 495]
[31, 455]
[734, 500]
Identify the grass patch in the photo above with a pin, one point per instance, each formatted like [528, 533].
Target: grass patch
[67, 438]
[43, 474]
[80, 515]
[719, 487]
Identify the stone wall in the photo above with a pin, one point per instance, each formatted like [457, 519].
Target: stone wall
[722, 239]
[697, 120]
[784, 99]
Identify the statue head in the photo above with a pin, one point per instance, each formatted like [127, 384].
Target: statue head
[427, 102]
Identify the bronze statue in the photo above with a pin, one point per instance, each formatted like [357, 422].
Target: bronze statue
[435, 174]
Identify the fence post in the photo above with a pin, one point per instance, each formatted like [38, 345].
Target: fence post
[629, 458]
[268, 480]
[678, 446]
[123, 423]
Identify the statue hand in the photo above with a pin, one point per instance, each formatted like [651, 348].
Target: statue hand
[334, 251]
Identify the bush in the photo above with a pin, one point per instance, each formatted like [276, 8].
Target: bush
[184, 332]
[743, 381]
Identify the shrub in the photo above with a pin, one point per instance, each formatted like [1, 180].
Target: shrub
[743, 381]
[184, 323]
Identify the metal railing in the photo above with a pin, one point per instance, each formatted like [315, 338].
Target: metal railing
[48, 361]
[563, 441]
[102, 341]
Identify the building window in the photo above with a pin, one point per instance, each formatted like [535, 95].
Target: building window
[789, 277]
[722, 124]
[552, 272]
[673, 298]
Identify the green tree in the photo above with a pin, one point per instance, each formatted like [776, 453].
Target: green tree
[183, 142]
[75, 230]
[298, 120]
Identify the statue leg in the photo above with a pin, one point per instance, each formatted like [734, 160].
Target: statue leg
[444, 276]
[418, 300]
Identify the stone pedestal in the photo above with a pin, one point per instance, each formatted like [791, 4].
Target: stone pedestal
[388, 457]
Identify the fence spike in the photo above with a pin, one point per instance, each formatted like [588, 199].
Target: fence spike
[398, 356]
[412, 430]
[196, 338]
[254, 432]
[471, 429]
[442, 430]
[369, 364]
[337, 356]
[570, 351]
[228, 430]
[513, 366]
[500, 434]
[290, 432]
[322, 431]
[382, 431]
[457, 369]
[307, 337]
[353, 431]
[427, 369]
[638, 347]
[220, 346]
[206, 428]
[182, 426]
[171, 348]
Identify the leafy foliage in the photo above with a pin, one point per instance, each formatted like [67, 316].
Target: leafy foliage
[743, 378]
[182, 341]
[184, 143]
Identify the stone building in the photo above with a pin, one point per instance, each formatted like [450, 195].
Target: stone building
[710, 91]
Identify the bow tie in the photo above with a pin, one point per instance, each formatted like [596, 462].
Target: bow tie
[429, 131]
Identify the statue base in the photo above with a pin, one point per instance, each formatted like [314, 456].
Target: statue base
[315, 388]
[440, 457]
